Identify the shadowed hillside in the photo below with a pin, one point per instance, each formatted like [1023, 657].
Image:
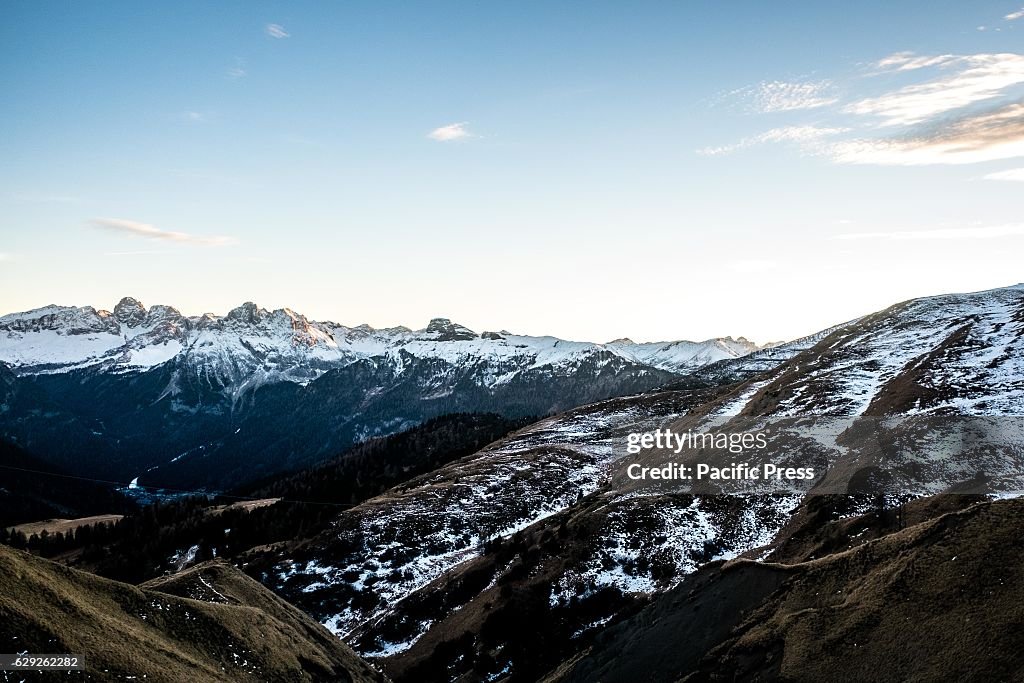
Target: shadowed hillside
[31, 490]
[234, 631]
[938, 600]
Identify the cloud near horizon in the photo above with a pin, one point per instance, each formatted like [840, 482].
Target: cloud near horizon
[1013, 174]
[152, 232]
[975, 233]
[453, 131]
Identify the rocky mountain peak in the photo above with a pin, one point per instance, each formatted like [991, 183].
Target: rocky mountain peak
[130, 312]
[738, 342]
[443, 329]
[248, 313]
[160, 313]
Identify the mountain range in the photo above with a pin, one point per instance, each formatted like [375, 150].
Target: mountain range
[211, 401]
[251, 345]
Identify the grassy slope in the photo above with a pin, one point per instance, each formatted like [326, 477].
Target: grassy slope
[61, 526]
[124, 630]
[219, 582]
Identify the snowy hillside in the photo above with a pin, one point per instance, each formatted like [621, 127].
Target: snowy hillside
[953, 354]
[950, 354]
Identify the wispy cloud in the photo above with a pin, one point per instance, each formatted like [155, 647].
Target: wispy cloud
[238, 70]
[1014, 16]
[152, 232]
[996, 134]
[194, 116]
[453, 131]
[975, 78]
[1013, 174]
[775, 96]
[276, 31]
[941, 119]
[973, 233]
[909, 61]
[805, 136]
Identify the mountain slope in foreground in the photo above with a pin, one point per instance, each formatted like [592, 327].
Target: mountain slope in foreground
[399, 575]
[938, 600]
[211, 623]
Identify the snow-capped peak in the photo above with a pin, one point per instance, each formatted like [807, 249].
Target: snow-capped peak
[253, 343]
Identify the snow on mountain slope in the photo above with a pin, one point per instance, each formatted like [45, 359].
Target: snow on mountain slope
[680, 356]
[950, 354]
[57, 335]
[958, 354]
[403, 540]
[758, 361]
[357, 577]
[253, 343]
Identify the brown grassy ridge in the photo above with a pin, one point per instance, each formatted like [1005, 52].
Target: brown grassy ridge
[61, 526]
[151, 631]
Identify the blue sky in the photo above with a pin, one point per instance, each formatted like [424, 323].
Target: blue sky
[589, 170]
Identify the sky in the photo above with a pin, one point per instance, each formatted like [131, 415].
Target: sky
[590, 170]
